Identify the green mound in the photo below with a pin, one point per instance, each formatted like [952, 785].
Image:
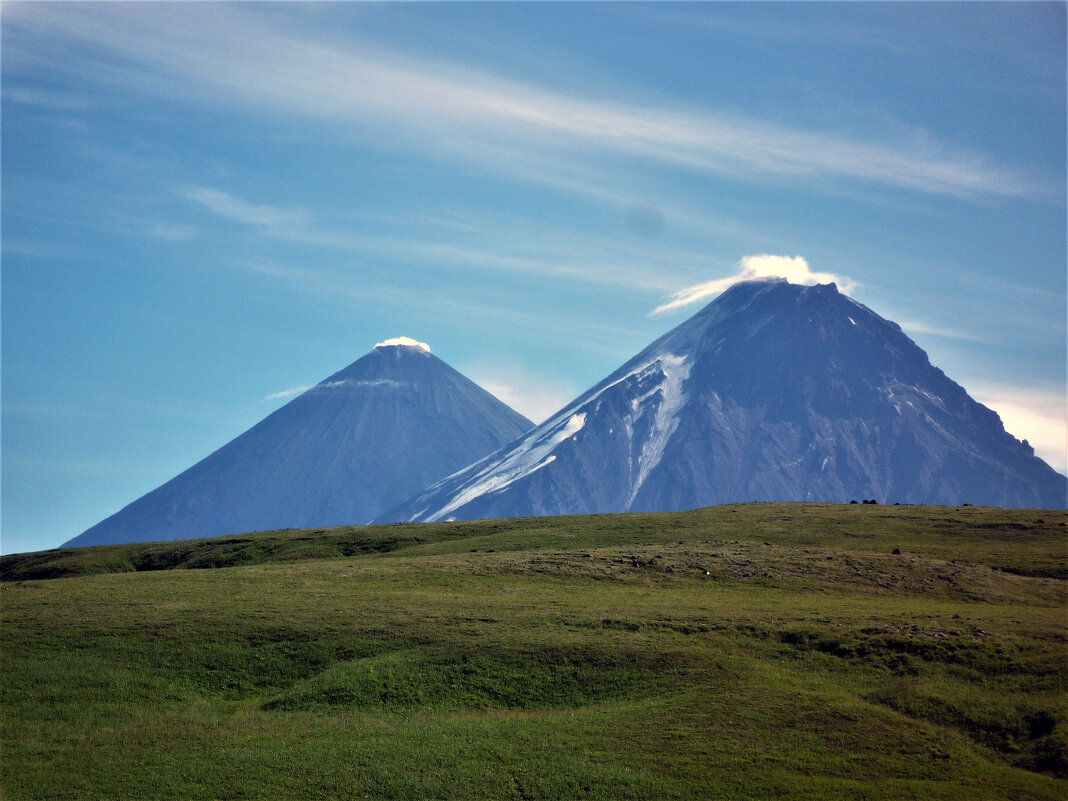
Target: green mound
[758, 651]
[440, 679]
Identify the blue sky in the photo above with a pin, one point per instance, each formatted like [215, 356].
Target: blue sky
[207, 206]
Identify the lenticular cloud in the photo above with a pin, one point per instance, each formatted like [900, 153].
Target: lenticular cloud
[764, 265]
[407, 342]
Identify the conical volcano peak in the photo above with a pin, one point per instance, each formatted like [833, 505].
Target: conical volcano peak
[775, 286]
[744, 294]
[784, 308]
[404, 342]
[345, 450]
[751, 288]
[771, 307]
[774, 391]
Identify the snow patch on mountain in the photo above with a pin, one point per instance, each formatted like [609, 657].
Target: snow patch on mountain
[535, 454]
[659, 363]
[675, 369]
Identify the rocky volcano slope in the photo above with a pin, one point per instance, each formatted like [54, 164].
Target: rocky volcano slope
[772, 392]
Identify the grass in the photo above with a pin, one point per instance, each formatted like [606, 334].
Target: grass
[742, 652]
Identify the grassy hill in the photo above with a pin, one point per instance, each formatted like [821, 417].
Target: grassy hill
[751, 651]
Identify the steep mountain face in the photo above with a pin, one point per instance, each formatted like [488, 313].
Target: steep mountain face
[773, 392]
[343, 452]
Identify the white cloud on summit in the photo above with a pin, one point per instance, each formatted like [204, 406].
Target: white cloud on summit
[764, 265]
[407, 342]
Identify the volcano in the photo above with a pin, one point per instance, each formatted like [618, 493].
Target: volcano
[772, 392]
[344, 451]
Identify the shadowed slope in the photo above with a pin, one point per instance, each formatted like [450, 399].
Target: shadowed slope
[773, 392]
[350, 447]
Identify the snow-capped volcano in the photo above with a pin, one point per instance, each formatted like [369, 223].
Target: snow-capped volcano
[773, 391]
[344, 451]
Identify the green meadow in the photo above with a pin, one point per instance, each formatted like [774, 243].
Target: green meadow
[737, 652]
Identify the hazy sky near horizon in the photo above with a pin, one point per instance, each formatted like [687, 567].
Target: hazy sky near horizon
[207, 206]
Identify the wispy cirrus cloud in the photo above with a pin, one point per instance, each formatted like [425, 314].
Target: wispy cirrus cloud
[466, 243]
[921, 327]
[238, 54]
[232, 208]
[326, 386]
[286, 394]
[793, 268]
[533, 395]
[45, 99]
[174, 232]
[339, 287]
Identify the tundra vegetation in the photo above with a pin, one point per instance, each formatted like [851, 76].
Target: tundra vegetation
[736, 652]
